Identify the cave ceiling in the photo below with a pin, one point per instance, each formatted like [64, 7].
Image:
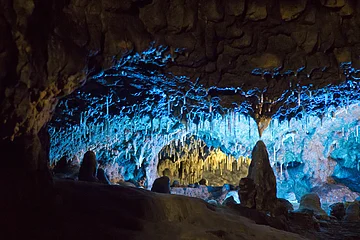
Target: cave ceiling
[263, 58]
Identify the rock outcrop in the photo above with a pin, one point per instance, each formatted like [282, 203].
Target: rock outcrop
[102, 177]
[282, 207]
[352, 213]
[229, 201]
[88, 168]
[161, 185]
[310, 203]
[337, 210]
[247, 192]
[67, 169]
[264, 179]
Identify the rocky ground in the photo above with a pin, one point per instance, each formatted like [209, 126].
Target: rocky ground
[95, 211]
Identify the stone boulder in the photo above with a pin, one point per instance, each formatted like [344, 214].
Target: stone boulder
[337, 210]
[88, 167]
[304, 219]
[176, 183]
[61, 165]
[235, 196]
[311, 203]
[101, 175]
[264, 179]
[161, 185]
[283, 207]
[352, 212]
[229, 201]
[66, 169]
[213, 202]
[203, 181]
[126, 184]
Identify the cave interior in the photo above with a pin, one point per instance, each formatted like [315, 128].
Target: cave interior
[188, 90]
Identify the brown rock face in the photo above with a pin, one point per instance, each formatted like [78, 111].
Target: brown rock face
[262, 174]
[290, 10]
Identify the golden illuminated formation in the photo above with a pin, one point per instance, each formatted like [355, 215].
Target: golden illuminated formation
[193, 160]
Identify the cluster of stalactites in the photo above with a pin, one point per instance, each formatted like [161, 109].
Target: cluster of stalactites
[189, 161]
[217, 160]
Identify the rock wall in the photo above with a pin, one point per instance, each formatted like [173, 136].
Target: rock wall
[49, 48]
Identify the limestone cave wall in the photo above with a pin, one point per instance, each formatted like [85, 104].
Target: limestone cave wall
[50, 48]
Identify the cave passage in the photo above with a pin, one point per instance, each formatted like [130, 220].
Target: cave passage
[140, 121]
[204, 91]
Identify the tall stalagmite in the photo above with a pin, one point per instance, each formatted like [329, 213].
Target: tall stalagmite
[262, 174]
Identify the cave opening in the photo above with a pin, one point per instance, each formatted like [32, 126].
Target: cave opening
[141, 120]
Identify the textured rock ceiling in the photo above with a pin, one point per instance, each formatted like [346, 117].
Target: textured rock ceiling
[260, 52]
[163, 70]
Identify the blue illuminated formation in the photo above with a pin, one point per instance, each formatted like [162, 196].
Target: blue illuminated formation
[129, 113]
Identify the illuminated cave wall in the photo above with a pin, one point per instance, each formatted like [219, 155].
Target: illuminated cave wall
[128, 115]
[305, 154]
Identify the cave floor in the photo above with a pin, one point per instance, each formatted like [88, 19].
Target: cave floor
[94, 211]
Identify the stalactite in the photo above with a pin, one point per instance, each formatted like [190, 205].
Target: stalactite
[274, 149]
[249, 127]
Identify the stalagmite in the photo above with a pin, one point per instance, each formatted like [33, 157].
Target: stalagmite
[263, 176]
